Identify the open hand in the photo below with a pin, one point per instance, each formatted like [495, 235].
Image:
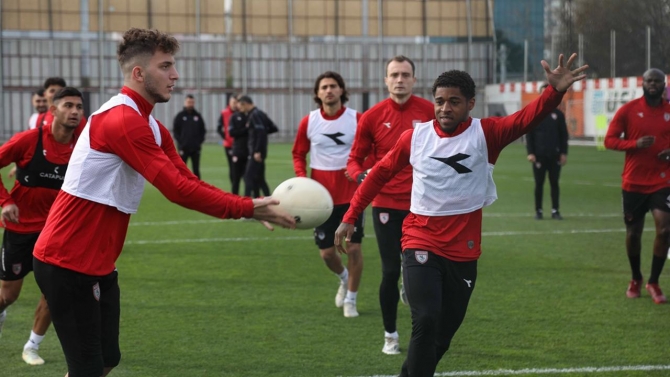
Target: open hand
[562, 77]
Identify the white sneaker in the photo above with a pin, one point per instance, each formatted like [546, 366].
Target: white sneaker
[391, 346]
[350, 309]
[3, 315]
[341, 293]
[31, 357]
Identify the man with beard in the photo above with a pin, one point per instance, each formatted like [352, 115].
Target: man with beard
[641, 128]
[122, 146]
[189, 131]
[41, 156]
[39, 103]
[327, 134]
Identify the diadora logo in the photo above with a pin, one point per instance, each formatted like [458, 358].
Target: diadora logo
[666, 116]
[56, 169]
[453, 162]
[641, 115]
[387, 124]
[335, 137]
[468, 282]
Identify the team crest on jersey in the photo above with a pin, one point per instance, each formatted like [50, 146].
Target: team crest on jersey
[320, 235]
[554, 116]
[421, 256]
[384, 217]
[96, 291]
[471, 244]
[16, 268]
[666, 116]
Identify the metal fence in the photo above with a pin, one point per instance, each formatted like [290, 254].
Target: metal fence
[278, 75]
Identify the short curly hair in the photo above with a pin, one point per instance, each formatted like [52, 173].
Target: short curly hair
[340, 82]
[456, 79]
[141, 44]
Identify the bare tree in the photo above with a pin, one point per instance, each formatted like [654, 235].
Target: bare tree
[595, 19]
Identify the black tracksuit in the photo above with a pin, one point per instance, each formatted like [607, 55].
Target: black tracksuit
[548, 141]
[189, 132]
[237, 128]
[259, 126]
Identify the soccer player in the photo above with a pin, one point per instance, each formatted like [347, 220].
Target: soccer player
[547, 147]
[40, 105]
[41, 156]
[378, 130]
[327, 134]
[121, 147]
[452, 160]
[222, 128]
[640, 128]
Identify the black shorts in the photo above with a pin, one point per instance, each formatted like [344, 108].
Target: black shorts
[636, 205]
[16, 257]
[324, 235]
[85, 311]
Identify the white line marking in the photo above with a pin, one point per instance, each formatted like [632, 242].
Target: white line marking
[291, 238]
[496, 215]
[519, 372]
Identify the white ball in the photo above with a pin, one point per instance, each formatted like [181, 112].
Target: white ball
[306, 200]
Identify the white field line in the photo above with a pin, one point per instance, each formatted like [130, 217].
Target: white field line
[521, 372]
[496, 215]
[309, 237]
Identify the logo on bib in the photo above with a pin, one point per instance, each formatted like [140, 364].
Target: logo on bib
[421, 256]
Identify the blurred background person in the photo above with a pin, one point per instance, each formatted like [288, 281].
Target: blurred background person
[189, 131]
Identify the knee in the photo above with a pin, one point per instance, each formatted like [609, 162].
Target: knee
[8, 296]
[354, 253]
[634, 235]
[328, 254]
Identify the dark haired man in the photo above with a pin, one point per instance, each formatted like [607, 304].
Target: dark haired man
[189, 131]
[122, 145]
[547, 146]
[40, 105]
[452, 160]
[644, 122]
[258, 126]
[327, 134]
[378, 130]
[41, 156]
[222, 128]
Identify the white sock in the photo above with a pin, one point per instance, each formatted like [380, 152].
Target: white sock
[391, 335]
[34, 341]
[344, 276]
[351, 296]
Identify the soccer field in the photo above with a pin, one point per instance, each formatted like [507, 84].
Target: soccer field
[204, 297]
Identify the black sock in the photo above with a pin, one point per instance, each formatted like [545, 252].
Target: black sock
[634, 261]
[656, 269]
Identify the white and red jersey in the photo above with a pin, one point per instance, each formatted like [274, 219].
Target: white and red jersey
[87, 236]
[328, 140]
[33, 202]
[38, 119]
[378, 130]
[458, 236]
[643, 171]
[225, 118]
[437, 168]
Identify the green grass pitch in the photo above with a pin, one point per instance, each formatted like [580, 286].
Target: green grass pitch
[202, 297]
